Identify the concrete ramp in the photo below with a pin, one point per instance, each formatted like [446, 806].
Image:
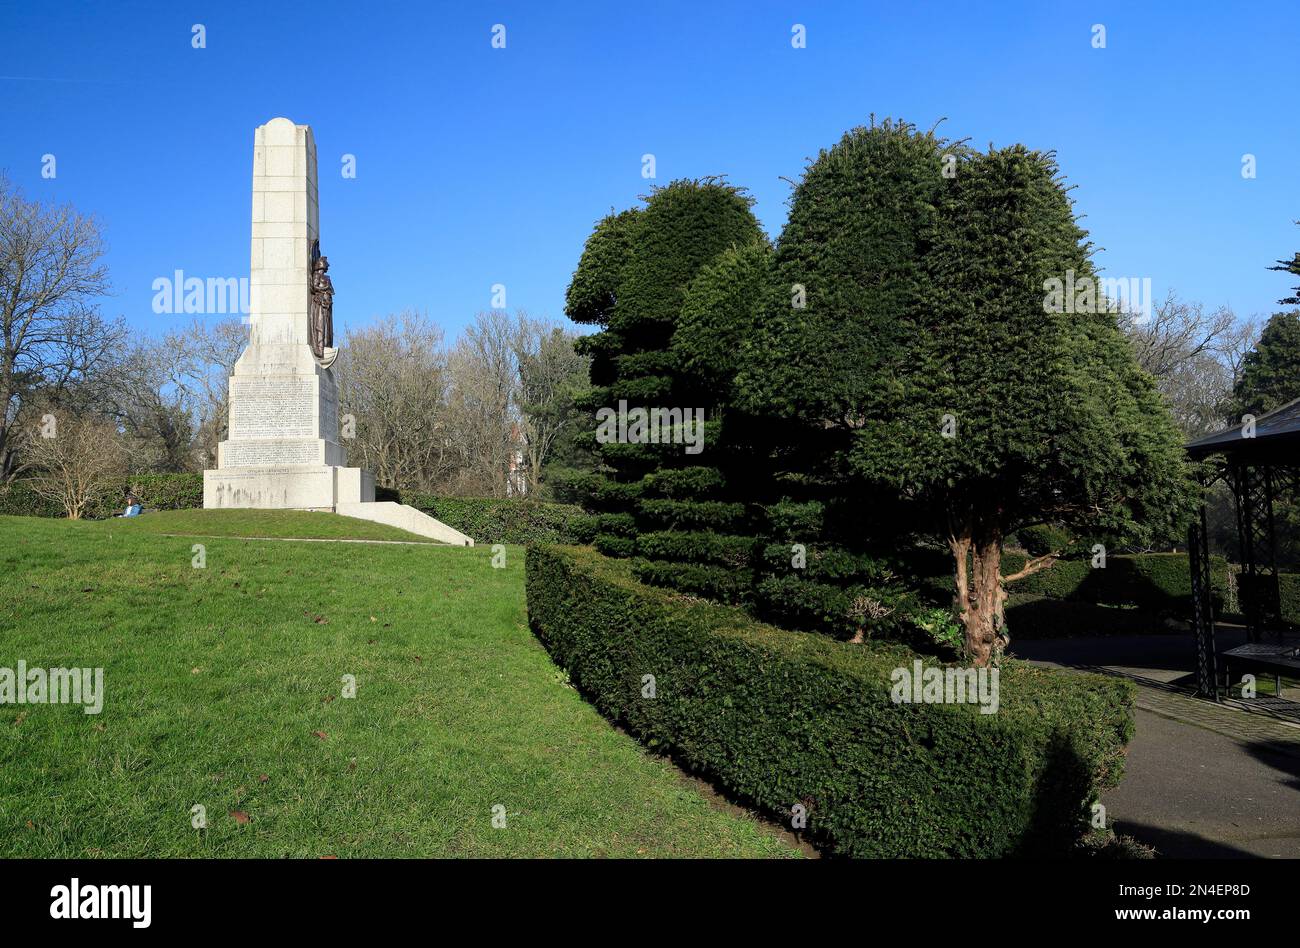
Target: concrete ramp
[404, 518]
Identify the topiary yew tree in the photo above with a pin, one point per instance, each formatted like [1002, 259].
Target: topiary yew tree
[930, 340]
[1049, 416]
[632, 281]
[848, 273]
[717, 316]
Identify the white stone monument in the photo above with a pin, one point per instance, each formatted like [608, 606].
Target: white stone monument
[283, 449]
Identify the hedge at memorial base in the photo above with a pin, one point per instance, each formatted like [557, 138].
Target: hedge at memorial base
[19, 500]
[486, 519]
[156, 492]
[780, 719]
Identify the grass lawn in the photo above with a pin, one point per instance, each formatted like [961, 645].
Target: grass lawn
[223, 688]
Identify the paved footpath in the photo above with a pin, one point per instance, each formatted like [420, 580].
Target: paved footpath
[1202, 779]
[1192, 792]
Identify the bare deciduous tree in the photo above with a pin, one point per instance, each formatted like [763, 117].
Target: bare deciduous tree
[551, 373]
[1195, 356]
[71, 456]
[143, 390]
[484, 405]
[51, 333]
[169, 394]
[393, 381]
[478, 419]
[212, 350]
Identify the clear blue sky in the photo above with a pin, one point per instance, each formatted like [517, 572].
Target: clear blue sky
[478, 166]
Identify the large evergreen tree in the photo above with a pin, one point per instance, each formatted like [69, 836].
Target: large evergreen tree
[1270, 377]
[928, 341]
[1270, 374]
[1019, 405]
[717, 317]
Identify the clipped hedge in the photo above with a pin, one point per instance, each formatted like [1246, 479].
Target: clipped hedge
[156, 492]
[685, 482]
[828, 564]
[610, 544]
[610, 495]
[796, 521]
[19, 500]
[601, 492]
[797, 602]
[780, 718]
[1160, 582]
[507, 520]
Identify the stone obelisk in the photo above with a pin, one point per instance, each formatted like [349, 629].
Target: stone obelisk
[283, 446]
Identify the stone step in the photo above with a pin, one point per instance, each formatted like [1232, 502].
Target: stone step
[404, 518]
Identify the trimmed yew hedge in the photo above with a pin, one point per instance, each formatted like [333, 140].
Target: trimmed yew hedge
[694, 514]
[780, 718]
[718, 549]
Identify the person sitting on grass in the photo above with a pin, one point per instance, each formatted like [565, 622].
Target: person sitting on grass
[133, 507]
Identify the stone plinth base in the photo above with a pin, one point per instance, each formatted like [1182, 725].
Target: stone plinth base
[287, 488]
[405, 518]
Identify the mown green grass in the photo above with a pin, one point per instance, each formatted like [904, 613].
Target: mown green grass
[216, 679]
[277, 524]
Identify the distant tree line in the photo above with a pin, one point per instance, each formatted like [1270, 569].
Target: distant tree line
[486, 416]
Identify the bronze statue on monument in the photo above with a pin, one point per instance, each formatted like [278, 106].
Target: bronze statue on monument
[322, 309]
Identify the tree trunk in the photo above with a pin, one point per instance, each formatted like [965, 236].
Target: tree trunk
[7, 397]
[984, 621]
[976, 545]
